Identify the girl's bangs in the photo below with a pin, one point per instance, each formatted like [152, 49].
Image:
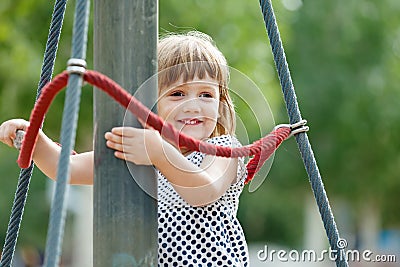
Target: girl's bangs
[188, 71]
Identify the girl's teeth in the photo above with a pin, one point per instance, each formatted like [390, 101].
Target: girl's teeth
[191, 122]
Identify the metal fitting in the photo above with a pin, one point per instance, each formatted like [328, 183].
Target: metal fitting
[298, 127]
[19, 137]
[76, 66]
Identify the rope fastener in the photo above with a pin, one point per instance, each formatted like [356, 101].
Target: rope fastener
[296, 128]
[76, 66]
[19, 137]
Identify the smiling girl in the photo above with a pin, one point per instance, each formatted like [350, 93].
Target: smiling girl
[198, 194]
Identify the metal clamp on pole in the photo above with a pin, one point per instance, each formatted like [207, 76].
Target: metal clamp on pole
[76, 66]
[298, 127]
[19, 137]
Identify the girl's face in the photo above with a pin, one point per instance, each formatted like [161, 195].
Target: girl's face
[191, 107]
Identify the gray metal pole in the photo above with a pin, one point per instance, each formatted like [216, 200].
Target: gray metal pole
[125, 217]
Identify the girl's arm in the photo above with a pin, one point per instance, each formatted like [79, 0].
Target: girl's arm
[198, 186]
[47, 153]
[46, 157]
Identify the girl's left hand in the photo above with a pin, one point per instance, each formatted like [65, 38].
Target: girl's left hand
[140, 146]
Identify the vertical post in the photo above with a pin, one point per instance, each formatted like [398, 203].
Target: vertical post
[125, 217]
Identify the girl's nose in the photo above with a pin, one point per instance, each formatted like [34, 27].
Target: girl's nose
[191, 105]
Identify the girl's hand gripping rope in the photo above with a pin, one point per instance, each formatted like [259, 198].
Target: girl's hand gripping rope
[12, 132]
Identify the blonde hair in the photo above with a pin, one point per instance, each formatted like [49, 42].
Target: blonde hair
[194, 54]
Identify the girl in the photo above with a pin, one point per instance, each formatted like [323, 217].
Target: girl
[198, 194]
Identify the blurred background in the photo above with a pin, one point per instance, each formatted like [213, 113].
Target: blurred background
[344, 57]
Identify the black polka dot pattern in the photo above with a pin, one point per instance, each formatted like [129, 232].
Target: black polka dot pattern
[210, 235]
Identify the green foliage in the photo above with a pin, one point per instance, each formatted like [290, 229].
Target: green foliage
[344, 61]
[344, 58]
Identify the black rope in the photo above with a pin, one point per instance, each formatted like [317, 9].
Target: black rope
[26, 174]
[68, 132]
[336, 243]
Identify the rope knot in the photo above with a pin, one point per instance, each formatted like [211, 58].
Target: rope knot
[265, 147]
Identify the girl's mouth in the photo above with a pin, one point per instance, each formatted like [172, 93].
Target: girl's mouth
[190, 121]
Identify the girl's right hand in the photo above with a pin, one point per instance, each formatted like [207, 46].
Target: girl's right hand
[9, 128]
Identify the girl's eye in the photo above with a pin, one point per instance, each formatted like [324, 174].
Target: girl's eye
[207, 95]
[177, 93]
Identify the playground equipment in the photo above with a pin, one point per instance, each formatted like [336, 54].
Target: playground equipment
[74, 77]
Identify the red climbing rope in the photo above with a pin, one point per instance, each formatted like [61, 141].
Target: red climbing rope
[261, 149]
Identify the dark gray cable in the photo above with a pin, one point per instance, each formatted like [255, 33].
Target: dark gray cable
[301, 138]
[26, 174]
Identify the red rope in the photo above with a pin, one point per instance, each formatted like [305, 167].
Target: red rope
[261, 149]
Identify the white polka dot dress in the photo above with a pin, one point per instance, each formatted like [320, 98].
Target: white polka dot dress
[210, 235]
